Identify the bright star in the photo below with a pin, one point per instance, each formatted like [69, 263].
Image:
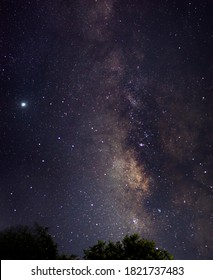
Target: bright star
[141, 145]
[23, 104]
[135, 221]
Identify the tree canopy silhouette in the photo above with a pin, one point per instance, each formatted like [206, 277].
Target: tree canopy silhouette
[27, 243]
[130, 248]
[35, 243]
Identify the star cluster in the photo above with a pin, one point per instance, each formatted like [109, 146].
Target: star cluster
[107, 121]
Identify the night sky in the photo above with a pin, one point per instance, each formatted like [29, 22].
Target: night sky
[106, 124]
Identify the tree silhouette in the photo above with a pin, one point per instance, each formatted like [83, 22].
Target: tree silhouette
[130, 248]
[68, 257]
[35, 243]
[27, 243]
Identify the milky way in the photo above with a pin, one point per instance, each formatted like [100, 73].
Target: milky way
[107, 121]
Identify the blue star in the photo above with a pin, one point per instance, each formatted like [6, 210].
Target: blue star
[23, 104]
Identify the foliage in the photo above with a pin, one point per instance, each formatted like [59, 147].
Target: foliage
[130, 248]
[35, 243]
[68, 257]
[27, 243]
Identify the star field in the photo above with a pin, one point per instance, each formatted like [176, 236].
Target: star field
[106, 121]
